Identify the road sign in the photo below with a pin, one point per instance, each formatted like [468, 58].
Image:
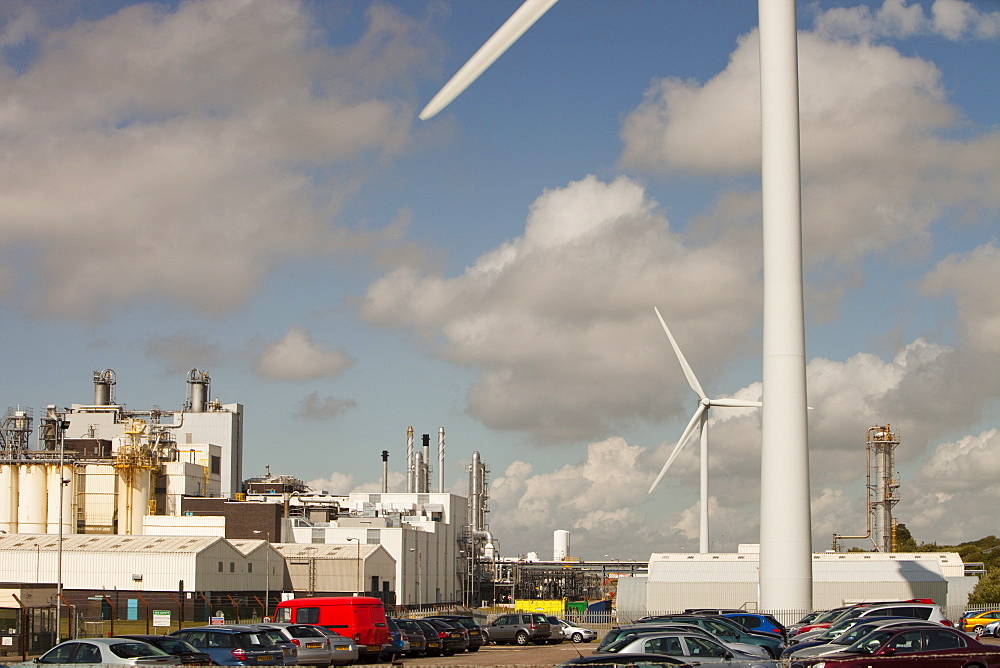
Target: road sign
[161, 618]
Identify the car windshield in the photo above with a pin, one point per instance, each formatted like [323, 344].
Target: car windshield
[253, 639]
[174, 646]
[852, 636]
[131, 650]
[869, 643]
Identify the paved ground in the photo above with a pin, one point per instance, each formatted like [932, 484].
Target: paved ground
[507, 655]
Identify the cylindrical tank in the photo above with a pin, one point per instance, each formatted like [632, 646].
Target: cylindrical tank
[104, 382]
[560, 545]
[54, 479]
[8, 498]
[32, 502]
[198, 386]
[133, 499]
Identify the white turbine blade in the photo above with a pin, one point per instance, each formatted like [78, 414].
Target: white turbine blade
[680, 444]
[735, 403]
[688, 373]
[508, 33]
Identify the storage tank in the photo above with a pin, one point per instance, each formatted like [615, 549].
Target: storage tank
[54, 478]
[32, 502]
[198, 389]
[104, 387]
[134, 492]
[8, 498]
[560, 545]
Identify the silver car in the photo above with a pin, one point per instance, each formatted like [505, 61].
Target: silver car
[314, 646]
[577, 633]
[691, 647]
[109, 651]
[556, 635]
[345, 651]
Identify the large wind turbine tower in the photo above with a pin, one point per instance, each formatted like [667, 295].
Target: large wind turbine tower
[884, 487]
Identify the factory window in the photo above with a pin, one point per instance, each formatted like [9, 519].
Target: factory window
[220, 566]
[232, 566]
[216, 464]
[249, 567]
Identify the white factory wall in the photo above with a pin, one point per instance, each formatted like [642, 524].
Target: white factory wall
[113, 562]
[223, 427]
[184, 525]
[419, 531]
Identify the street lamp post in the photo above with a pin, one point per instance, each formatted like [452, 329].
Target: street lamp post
[267, 571]
[358, 590]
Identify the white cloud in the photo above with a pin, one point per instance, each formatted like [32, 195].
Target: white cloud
[185, 178]
[315, 408]
[559, 322]
[296, 357]
[878, 170]
[952, 19]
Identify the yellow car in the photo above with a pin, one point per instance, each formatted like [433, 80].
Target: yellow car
[973, 622]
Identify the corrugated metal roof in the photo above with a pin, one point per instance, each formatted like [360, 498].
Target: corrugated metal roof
[108, 543]
[324, 550]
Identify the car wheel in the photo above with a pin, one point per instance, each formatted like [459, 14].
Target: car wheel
[521, 638]
[977, 629]
[577, 637]
[473, 649]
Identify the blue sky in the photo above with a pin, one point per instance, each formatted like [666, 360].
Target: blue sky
[244, 188]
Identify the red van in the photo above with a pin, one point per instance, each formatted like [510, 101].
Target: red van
[361, 618]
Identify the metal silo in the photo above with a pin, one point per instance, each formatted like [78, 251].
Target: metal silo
[8, 497]
[560, 545]
[32, 503]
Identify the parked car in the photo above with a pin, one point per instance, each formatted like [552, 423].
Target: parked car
[930, 612]
[755, 621]
[398, 645]
[642, 660]
[556, 635]
[345, 651]
[904, 646]
[692, 647]
[576, 633]
[433, 645]
[314, 647]
[826, 636]
[616, 636]
[454, 639]
[289, 649]
[110, 651]
[477, 638]
[726, 630]
[520, 629]
[174, 647]
[414, 635]
[858, 632]
[976, 621]
[233, 645]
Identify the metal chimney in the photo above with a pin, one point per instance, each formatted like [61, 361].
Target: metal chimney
[441, 460]
[425, 471]
[410, 486]
[385, 471]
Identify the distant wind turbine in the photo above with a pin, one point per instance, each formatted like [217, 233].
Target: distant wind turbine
[785, 574]
[700, 415]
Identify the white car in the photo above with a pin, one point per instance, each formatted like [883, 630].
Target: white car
[110, 651]
[577, 633]
[992, 629]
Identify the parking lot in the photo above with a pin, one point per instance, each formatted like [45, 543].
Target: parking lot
[506, 655]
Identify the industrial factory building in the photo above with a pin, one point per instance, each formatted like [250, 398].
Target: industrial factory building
[676, 581]
[163, 491]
